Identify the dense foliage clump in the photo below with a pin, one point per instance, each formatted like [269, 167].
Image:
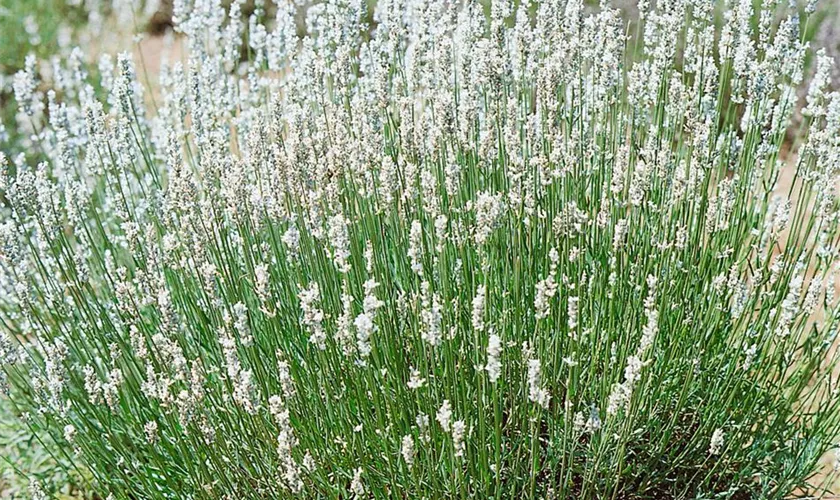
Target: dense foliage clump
[515, 255]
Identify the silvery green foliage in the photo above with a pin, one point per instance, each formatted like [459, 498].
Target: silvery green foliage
[504, 256]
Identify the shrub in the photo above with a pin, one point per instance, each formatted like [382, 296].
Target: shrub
[453, 255]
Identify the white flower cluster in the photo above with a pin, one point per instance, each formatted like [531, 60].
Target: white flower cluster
[312, 315]
[621, 394]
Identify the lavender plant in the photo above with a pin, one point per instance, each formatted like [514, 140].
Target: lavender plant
[522, 255]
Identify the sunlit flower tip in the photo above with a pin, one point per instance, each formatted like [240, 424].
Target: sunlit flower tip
[459, 429]
[151, 431]
[494, 352]
[356, 485]
[415, 381]
[407, 449]
[716, 442]
[444, 414]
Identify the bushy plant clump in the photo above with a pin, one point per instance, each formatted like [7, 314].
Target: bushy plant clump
[515, 255]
